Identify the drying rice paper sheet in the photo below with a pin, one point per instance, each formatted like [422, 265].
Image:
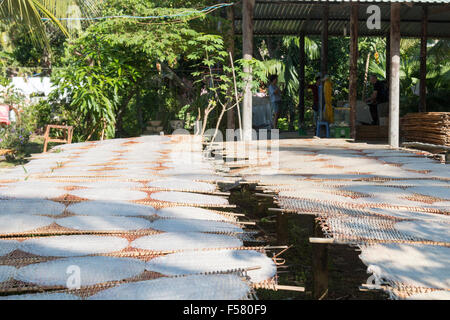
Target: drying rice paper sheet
[195, 287]
[184, 263]
[414, 265]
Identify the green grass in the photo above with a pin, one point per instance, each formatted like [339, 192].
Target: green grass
[35, 145]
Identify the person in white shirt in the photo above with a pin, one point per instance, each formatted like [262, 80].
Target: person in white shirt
[275, 98]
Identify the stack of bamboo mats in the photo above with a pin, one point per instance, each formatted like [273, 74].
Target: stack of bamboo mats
[429, 127]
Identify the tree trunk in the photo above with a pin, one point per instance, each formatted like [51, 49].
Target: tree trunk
[119, 119]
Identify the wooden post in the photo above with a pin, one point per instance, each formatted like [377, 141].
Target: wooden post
[319, 265]
[324, 48]
[301, 78]
[423, 61]
[388, 60]
[353, 79]
[282, 228]
[46, 138]
[394, 87]
[230, 16]
[247, 42]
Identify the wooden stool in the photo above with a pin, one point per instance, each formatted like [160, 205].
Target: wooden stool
[67, 135]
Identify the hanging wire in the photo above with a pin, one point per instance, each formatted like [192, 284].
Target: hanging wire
[178, 15]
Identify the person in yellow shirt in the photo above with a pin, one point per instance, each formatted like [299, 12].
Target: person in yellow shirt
[328, 95]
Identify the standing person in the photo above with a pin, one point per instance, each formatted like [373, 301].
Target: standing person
[275, 98]
[379, 95]
[315, 91]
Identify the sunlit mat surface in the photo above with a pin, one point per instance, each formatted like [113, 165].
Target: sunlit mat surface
[93, 270]
[370, 196]
[174, 241]
[108, 209]
[185, 263]
[67, 246]
[196, 287]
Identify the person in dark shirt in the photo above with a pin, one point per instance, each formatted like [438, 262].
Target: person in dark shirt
[378, 96]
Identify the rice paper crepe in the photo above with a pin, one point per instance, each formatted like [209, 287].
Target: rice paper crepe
[17, 223]
[192, 213]
[172, 241]
[31, 206]
[71, 246]
[432, 191]
[32, 191]
[434, 230]
[185, 170]
[194, 225]
[195, 287]
[180, 184]
[93, 270]
[108, 208]
[42, 296]
[189, 198]
[192, 262]
[196, 177]
[7, 273]
[7, 246]
[104, 223]
[414, 265]
[433, 295]
[109, 194]
[406, 214]
[108, 184]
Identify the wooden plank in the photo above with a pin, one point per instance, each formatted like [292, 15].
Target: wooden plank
[353, 81]
[394, 88]
[247, 42]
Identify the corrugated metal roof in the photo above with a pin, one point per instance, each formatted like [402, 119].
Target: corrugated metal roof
[288, 17]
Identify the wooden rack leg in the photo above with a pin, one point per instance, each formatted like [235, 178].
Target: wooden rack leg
[69, 141]
[282, 228]
[320, 265]
[46, 137]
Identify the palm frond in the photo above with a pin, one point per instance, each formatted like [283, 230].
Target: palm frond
[32, 12]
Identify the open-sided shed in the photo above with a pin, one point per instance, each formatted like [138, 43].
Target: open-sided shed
[391, 19]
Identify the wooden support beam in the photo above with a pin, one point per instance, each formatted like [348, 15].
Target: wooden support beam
[248, 223]
[282, 228]
[370, 287]
[319, 265]
[301, 78]
[324, 48]
[353, 80]
[321, 240]
[264, 195]
[423, 61]
[231, 122]
[247, 42]
[289, 288]
[388, 60]
[394, 84]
